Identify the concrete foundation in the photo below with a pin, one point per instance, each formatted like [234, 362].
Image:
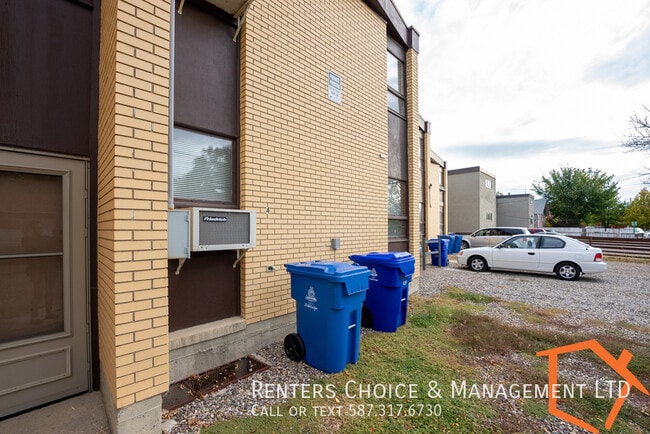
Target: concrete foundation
[201, 348]
[140, 417]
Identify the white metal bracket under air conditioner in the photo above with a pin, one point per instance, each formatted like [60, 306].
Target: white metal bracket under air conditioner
[181, 262]
[239, 257]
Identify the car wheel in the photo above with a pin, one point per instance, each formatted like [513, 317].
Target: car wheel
[464, 245]
[567, 271]
[476, 263]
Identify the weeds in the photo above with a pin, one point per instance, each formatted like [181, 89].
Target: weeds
[448, 339]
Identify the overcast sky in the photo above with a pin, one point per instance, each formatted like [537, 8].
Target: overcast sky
[521, 87]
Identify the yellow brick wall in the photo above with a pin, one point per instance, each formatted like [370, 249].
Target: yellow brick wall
[132, 196]
[319, 168]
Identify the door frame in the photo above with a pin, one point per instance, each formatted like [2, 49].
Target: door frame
[75, 173]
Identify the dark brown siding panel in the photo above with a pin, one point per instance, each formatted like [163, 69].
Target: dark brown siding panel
[203, 291]
[398, 246]
[397, 149]
[45, 75]
[206, 94]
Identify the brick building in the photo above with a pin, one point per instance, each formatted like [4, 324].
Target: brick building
[117, 111]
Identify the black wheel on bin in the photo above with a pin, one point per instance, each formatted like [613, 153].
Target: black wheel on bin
[366, 317]
[294, 347]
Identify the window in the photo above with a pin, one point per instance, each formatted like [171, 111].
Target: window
[512, 231]
[396, 197]
[396, 84]
[202, 167]
[204, 154]
[552, 243]
[488, 216]
[525, 242]
[397, 209]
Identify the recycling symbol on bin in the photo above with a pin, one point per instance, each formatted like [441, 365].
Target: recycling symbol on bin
[311, 295]
[373, 274]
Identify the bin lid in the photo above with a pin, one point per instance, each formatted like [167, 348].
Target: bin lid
[385, 258]
[332, 271]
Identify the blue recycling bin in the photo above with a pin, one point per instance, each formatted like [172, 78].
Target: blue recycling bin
[329, 299]
[387, 297]
[434, 249]
[439, 251]
[454, 244]
[450, 239]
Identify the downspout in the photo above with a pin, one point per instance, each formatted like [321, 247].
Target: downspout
[170, 138]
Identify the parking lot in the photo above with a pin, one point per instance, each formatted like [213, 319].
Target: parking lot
[617, 299]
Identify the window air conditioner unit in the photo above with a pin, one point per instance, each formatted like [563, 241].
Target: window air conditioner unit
[221, 229]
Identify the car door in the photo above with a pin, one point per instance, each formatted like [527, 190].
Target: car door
[481, 238]
[517, 253]
[551, 252]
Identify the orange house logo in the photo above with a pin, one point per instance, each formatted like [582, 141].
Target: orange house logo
[618, 365]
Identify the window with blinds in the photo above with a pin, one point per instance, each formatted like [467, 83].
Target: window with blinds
[202, 167]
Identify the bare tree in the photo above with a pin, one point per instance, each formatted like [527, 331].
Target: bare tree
[639, 138]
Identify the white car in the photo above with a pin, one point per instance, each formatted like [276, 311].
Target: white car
[568, 258]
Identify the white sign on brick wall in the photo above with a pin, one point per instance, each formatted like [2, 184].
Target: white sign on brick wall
[334, 87]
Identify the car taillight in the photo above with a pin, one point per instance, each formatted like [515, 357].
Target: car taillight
[598, 257]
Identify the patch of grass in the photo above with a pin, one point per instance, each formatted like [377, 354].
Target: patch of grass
[614, 258]
[483, 334]
[472, 297]
[446, 339]
[533, 314]
[269, 424]
[639, 365]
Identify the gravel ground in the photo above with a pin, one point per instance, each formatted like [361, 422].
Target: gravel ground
[621, 294]
[598, 303]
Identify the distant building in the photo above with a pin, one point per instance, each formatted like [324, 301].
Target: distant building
[437, 196]
[472, 199]
[516, 210]
[541, 213]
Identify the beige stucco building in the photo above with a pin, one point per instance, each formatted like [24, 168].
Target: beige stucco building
[304, 112]
[472, 199]
[437, 191]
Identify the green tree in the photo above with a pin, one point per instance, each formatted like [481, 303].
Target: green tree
[580, 196]
[639, 210]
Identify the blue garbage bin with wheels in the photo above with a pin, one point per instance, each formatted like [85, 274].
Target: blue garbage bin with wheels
[454, 243]
[434, 249]
[386, 303]
[443, 252]
[450, 239]
[329, 299]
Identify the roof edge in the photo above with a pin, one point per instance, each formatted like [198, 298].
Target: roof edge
[407, 36]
